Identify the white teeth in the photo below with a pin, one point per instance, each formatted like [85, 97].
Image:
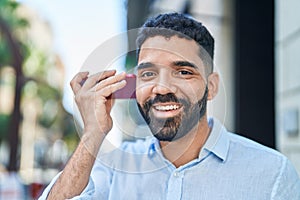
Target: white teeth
[168, 107]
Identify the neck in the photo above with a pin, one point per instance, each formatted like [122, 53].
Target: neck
[187, 148]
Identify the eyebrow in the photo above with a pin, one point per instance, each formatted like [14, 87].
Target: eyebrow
[144, 65]
[185, 63]
[175, 63]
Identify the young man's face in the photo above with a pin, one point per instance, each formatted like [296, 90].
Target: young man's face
[171, 86]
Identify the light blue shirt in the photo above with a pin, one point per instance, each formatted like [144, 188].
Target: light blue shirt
[228, 167]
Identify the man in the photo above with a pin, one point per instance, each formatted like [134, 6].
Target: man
[190, 156]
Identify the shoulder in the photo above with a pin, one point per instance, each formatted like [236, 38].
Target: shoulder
[263, 160]
[247, 144]
[241, 149]
[253, 150]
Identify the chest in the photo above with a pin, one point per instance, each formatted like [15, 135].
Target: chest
[197, 182]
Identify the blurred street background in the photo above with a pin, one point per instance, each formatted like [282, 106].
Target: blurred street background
[43, 44]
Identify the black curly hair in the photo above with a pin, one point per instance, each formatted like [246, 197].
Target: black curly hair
[171, 24]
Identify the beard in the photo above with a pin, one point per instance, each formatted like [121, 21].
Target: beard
[176, 127]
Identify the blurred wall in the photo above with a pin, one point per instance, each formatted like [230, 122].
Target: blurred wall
[287, 45]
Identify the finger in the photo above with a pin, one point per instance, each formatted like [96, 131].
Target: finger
[95, 78]
[108, 90]
[110, 80]
[77, 80]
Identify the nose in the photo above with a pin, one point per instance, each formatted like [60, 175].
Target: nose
[164, 85]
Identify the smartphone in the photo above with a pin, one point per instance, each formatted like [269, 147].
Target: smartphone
[128, 91]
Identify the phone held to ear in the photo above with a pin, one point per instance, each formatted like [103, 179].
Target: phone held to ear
[128, 91]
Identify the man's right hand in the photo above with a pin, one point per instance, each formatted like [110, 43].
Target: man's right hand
[94, 104]
[92, 98]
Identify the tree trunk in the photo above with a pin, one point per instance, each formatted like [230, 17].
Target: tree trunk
[13, 135]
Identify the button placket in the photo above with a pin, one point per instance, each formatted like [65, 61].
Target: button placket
[175, 186]
[176, 174]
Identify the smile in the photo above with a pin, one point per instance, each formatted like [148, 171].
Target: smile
[166, 107]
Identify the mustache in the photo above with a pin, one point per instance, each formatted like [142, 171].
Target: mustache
[170, 97]
[159, 98]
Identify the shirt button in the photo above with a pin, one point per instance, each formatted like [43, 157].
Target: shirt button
[176, 174]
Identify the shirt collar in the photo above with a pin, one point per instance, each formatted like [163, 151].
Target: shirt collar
[153, 145]
[217, 142]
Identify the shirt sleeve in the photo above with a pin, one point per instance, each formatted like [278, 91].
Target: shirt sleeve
[98, 186]
[87, 193]
[287, 185]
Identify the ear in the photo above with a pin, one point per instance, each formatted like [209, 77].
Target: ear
[213, 85]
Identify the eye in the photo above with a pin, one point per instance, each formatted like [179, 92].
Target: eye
[185, 72]
[147, 74]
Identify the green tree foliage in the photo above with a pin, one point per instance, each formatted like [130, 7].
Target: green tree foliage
[8, 14]
[37, 68]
